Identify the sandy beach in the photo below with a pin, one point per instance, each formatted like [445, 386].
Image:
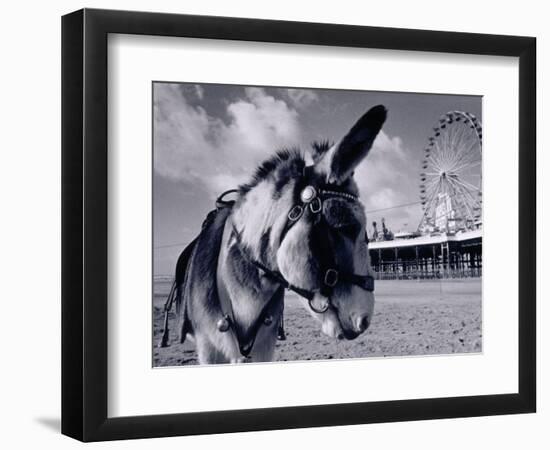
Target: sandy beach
[411, 318]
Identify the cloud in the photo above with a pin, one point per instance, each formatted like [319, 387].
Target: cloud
[259, 122]
[381, 167]
[192, 146]
[302, 98]
[382, 198]
[199, 91]
[385, 144]
[386, 179]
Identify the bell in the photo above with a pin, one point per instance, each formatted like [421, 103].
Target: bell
[268, 320]
[308, 194]
[223, 324]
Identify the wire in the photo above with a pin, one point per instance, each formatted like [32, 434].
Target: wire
[393, 207]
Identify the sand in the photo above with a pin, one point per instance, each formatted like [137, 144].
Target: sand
[411, 318]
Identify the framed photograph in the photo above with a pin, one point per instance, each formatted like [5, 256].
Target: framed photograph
[273, 224]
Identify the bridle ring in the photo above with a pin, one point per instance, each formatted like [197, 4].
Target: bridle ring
[331, 277]
[316, 205]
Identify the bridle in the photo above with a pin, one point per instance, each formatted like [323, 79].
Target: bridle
[311, 202]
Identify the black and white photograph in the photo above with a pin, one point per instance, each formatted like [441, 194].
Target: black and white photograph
[275, 225]
[295, 224]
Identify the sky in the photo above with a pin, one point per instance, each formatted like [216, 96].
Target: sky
[208, 138]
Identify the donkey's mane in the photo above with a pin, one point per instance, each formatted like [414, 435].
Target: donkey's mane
[320, 147]
[283, 165]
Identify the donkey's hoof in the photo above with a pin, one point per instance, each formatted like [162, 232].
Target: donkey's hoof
[183, 337]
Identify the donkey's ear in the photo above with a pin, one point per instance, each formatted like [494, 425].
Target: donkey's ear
[339, 162]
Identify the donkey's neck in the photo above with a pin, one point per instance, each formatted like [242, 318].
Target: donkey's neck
[252, 233]
[260, 217]
[240, 284]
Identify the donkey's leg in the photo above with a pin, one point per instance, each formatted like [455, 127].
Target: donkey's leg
[226, 343]
[264, 347]
[223, 350]
[183, 320]
[206, 352]
[281, 335]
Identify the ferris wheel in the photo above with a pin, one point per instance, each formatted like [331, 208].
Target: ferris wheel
[450, 178]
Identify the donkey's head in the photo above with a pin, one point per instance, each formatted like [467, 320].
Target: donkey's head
[307, 223]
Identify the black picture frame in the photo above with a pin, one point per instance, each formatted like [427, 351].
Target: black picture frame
[84, 224]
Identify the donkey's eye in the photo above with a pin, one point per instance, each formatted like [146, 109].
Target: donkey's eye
[341, 216]
[350, 230]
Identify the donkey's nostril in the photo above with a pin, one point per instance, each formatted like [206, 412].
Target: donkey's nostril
[362, 323]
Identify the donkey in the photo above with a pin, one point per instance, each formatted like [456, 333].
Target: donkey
[292, 226]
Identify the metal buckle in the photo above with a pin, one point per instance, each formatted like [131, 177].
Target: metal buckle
[295, 213]
[316, 205]
[331, 277]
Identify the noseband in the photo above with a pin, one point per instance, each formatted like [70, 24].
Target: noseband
[311, 200]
